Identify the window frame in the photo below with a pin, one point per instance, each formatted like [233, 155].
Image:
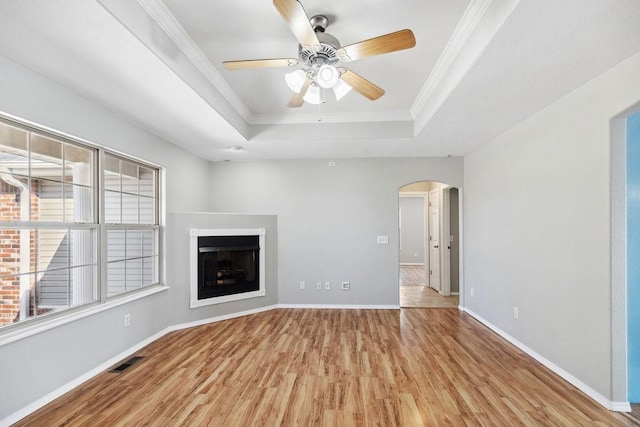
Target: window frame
[105, 227]
[27, 327]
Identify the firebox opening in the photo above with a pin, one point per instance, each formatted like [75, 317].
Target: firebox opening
[226, 265]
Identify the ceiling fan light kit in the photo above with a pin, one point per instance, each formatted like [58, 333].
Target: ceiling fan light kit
[313, 95]
[327, 76]
[319, 52]
[340, 89]
[330, 80]
[295, 80]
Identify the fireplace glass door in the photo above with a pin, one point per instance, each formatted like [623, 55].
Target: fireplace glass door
[229, 267]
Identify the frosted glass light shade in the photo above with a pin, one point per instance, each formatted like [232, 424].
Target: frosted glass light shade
[295, 80]
[313, 95]
[341, 89]
[327, 76]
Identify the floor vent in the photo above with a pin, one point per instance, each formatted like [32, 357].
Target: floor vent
[121, 367]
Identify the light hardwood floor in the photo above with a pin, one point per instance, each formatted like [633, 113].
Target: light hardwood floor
[635, 413]
[407, 367]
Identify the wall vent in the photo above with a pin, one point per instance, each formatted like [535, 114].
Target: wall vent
[121, 367]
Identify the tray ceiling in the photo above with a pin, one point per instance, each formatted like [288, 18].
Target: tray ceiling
[478, 68]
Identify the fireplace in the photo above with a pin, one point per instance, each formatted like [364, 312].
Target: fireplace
[226, 265]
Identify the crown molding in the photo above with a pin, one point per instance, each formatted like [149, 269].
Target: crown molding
[352, 117]
[461, 34]
[157, 11]
[474, 32]
[481, 21]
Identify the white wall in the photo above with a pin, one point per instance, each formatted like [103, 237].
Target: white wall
[32, 367]
[328, 220]
[537, 228]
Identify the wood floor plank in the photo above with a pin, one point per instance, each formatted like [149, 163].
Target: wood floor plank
[287, 367]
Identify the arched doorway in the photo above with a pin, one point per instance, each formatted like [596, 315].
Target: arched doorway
[429, 247]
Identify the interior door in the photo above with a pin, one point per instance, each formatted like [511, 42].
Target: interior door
[434, 239]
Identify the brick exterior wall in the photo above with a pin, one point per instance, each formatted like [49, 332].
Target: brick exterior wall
[10, 255]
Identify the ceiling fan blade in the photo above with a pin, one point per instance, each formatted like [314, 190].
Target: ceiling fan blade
[260, 63]
[403, 39]
[297, 99]
[293, 12]
[361, 85]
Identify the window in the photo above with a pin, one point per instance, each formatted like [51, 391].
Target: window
[62, 203]
[132, 227]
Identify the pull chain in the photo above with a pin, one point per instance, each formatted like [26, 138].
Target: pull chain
[322, 101]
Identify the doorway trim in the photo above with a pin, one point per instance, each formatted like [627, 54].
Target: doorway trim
[445, 244]
[618, 260]
[618, 218]
[435, 264]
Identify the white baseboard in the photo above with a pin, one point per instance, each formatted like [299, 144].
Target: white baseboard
[18, 415]
[220, 318]
[412, 264]
[610, 405]
[273, 307]
[32, 407]
[342, 306]
[455, 293]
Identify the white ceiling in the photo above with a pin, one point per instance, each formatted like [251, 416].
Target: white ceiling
[479, 67]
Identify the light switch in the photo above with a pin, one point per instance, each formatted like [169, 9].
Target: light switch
[383, 240]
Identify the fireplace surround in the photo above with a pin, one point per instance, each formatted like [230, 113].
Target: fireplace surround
[226, 265]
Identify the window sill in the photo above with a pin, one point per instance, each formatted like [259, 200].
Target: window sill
[25, 331]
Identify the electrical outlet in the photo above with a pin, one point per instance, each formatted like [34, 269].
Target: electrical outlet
[327, 285]
[346, 286]
[302, 285]
[472, 292]
[382, 240]
[319, 285]
[516, 312]
[127, 320]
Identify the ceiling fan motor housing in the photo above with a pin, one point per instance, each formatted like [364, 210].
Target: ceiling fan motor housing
[326, 54]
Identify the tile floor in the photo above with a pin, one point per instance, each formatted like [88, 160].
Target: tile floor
[413, 293]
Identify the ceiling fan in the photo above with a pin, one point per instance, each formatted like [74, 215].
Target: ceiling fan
[319, 52]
